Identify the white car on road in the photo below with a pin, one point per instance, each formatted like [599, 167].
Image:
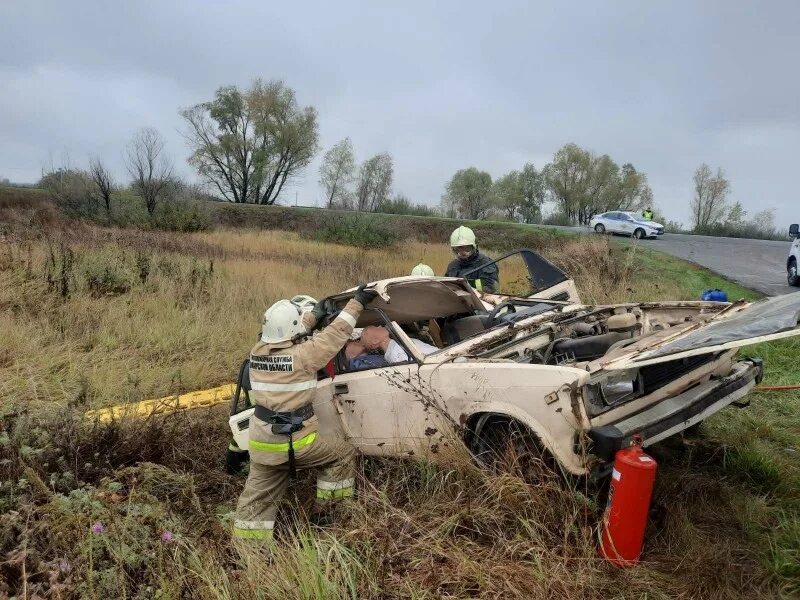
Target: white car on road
[792, 275]
[626, 223]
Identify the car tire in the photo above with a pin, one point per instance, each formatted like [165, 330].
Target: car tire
[504, 445]
[639, 233]
[792, 277]
[599, 228]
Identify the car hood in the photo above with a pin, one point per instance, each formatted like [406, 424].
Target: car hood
[740, 324]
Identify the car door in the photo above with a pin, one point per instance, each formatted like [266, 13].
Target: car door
[625, 223]
[374, 404]
[611, 222]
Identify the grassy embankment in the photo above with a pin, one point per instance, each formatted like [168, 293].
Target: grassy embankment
[92, 316]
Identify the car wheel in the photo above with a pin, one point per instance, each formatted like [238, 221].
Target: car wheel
[791, 273]
[638, 233]
[600, 228]
[505, 445]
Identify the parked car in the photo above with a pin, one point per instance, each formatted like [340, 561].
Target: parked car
[792, 275]
[579, 380]
[626, 223]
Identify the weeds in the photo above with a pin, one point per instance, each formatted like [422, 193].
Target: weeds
[141, 509]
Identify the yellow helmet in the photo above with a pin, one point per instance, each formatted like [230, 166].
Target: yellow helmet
[423, 270]
[463, 236]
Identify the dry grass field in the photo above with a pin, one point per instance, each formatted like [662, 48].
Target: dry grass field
[93, 316]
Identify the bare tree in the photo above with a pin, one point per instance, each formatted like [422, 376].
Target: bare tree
[149, 168]
[337, 171]
[709, 205]
[374, 182]
[103, 180]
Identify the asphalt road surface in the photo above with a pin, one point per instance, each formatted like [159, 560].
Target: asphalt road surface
[757, 264]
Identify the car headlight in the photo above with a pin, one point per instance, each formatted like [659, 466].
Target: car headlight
[620, 386]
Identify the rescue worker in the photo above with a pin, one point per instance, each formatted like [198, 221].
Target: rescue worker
[465, 248]
[237, 459]
[423, 270]
[284, 432]
[647, 214]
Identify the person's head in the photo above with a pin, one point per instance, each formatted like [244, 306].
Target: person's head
[287, 319]
[353, 349]
[375, 338]
[463, 243]
[422, 270]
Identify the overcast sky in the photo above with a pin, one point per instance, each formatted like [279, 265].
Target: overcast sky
[439, 85]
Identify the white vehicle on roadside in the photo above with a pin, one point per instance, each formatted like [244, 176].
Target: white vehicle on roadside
[626, 223]
[792, 276]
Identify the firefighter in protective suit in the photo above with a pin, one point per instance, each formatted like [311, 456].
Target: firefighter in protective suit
[480, 270]
[284, 432]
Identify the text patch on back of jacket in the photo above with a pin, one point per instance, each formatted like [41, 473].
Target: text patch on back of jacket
[280, 363]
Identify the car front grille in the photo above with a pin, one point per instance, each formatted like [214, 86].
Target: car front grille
[660, 374]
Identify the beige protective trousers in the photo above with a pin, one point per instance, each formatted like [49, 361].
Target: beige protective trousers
[266, 485]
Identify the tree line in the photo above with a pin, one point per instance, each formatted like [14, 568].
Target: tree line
[578, 182]
[714, 214]
[248, 144]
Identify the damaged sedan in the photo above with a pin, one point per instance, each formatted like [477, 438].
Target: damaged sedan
[582, 381]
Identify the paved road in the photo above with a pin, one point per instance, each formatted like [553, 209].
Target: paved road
[757, 264]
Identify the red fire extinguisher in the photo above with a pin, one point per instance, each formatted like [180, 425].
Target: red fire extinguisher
[625, 517]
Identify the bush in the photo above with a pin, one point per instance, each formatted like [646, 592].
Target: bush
[557, 219]
[363, 231]
[181, 215]
[403, 206]
[108, 275]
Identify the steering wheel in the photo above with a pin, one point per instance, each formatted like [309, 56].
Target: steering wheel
[496, 312]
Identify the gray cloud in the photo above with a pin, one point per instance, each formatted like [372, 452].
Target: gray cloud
[439, 85]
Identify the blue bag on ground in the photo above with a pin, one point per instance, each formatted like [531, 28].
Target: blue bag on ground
[714, 296]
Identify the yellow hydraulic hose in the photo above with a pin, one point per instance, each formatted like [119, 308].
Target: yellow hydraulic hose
[168, 404]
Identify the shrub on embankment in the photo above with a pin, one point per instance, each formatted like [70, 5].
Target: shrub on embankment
[366, 230]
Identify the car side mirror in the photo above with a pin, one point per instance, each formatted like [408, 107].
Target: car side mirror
[794, 230]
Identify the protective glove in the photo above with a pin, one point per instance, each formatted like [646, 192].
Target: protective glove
[235, 461]
[319, 311]
[364, 296]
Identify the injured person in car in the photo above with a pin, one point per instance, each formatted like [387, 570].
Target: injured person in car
[376, 338]
[358, 358]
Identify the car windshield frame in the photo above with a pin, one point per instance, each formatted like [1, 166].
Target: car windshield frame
[536, 264]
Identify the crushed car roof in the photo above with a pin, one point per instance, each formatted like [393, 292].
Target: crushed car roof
[413, 298]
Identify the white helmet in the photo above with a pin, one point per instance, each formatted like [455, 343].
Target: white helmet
[463, 236]
[284, 319]
[422, 270]
[303, 301]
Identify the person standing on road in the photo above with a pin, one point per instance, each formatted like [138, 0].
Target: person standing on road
[468, 258]
[285, 434]
[647, 214]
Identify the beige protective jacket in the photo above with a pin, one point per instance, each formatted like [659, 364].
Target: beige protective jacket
[284, 378]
